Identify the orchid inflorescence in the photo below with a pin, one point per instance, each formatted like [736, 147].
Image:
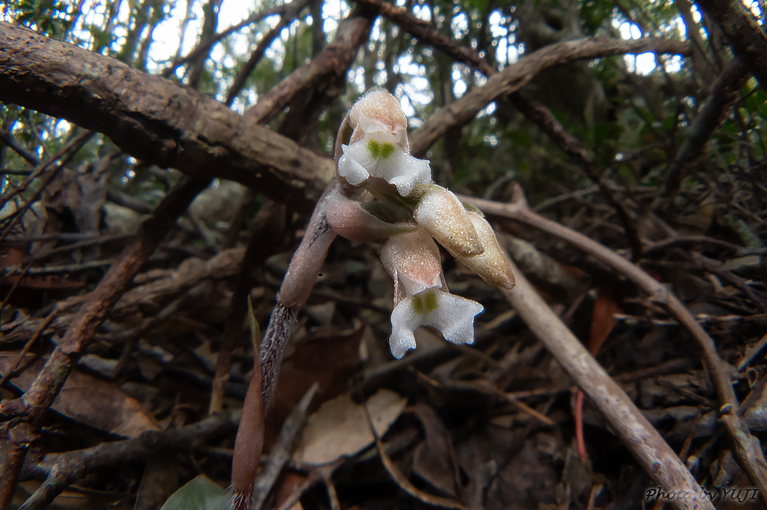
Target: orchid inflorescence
[409, 213]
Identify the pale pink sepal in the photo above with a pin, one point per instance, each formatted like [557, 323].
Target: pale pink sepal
[413, 261]
[442, 214]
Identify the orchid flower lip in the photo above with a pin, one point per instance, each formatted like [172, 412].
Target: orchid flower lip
[452, 315]
[413, 260]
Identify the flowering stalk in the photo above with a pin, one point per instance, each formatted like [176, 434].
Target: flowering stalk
[377, 158]
[408, 214]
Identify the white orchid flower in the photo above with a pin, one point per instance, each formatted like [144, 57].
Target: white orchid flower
[379, 147]
[421, 297]
[377, 157]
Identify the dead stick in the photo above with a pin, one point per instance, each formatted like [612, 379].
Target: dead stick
[645, 443]
[32, 406]
[747, 448]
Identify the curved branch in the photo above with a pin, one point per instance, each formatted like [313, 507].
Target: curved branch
[647, 446]
[154, 119]
[517, 75]
[747, 448]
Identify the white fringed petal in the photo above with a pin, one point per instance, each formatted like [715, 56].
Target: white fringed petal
[382, 156]
[452, 315]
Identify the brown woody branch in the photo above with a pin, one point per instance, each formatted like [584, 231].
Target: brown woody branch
[154, 119]
[747, 38]
[747, 448]
[517, 75]
[162, 123]
[647, 446]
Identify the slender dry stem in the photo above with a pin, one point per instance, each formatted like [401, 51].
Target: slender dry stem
[747, 448]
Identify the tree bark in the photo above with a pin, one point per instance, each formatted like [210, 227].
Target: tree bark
[154, 119]
[747, 38]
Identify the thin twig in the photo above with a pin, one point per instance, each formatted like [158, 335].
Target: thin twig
[33, 405]
[20, 356]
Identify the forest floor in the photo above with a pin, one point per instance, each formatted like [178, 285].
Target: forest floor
[494, 425]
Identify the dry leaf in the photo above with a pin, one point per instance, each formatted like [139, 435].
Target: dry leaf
[84, 398]
[339, 428]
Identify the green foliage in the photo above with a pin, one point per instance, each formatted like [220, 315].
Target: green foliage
[49, 17]
[628, 113]
[594, 14]
[199, 494]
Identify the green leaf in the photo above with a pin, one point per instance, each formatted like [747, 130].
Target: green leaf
[519, 137]
[199, 494]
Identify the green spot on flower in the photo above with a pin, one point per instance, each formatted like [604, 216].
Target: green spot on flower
[431, 302]
[387, 149]
[374, 148]
[417, 305]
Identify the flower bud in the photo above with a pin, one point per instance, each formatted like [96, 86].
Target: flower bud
[378, 147]
[491, 265]
[379, 112]
[444, 217]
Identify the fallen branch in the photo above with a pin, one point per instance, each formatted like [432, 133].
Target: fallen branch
[154, 119]
[747, 447]
[517, 75]
[647, 446]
